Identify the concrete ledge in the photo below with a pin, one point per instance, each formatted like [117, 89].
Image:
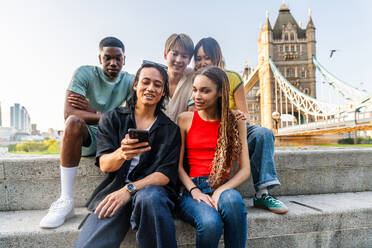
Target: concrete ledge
[32, 182]
[329, 220]
[2, 176]
[353, 237]
[304, 157]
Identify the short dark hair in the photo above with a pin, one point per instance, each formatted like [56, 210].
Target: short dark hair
[111, 42]
[160, 105]
[212, 49]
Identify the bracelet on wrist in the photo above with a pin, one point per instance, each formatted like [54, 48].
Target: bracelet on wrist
[193, 189]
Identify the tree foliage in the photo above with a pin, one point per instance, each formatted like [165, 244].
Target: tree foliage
[47, 145]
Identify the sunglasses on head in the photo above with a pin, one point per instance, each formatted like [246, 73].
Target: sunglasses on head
[148, 62]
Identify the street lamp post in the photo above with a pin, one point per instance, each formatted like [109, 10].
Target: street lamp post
[276, 116]
[357, 110]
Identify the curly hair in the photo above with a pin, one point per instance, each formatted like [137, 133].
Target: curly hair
[228, 142]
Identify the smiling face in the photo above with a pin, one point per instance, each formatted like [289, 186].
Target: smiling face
[150, 86]
[177, 60]
[202, 59]
[204, 93]
[112, 60]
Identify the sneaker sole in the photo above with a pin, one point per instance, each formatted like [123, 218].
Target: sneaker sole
[276, 211]
[69, 216]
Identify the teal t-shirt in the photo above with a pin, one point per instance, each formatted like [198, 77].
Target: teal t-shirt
[103, 94]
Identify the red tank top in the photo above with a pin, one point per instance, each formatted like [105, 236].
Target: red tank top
[201, 142]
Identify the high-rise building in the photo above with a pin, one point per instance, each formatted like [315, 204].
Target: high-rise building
[34, 130]
[33, 127]
[12, 116]
[15, 116]
[19, 118]
[1, 120]
[23, 119]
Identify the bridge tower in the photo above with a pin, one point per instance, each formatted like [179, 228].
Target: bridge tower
[291, 48]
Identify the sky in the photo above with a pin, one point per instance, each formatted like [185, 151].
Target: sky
[44, 41]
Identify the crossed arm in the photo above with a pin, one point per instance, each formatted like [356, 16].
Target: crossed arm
[78, 105]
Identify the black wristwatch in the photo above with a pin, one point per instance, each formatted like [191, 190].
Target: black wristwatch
[131, 188]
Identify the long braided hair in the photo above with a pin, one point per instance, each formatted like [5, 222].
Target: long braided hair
[228, 143]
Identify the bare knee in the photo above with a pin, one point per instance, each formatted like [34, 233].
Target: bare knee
[74, 127]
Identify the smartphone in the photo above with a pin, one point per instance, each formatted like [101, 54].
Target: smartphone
[141, 135]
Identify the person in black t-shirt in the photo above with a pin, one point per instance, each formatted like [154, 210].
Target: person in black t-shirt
[139, 187]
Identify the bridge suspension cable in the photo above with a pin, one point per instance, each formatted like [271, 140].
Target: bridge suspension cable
[351, 94]
[303, 102]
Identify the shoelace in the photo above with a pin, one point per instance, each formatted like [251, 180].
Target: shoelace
[271, 198]
[59, 204]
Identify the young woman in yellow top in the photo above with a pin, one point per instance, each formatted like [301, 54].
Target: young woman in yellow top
[260, 140]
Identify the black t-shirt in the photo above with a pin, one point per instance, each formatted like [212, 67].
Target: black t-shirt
[165, 142]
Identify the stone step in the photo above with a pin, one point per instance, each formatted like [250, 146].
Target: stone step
[325, 220]
[32, 182]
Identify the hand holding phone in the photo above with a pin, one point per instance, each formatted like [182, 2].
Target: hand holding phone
[134, 143]
[141, 135]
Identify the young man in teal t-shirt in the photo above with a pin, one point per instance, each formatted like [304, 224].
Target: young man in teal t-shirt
[91, 92]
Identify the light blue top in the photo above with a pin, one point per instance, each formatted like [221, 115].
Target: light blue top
[103, 93]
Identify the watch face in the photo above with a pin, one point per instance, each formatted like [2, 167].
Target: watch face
[131, 188]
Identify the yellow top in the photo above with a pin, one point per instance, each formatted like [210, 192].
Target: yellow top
[234, 81]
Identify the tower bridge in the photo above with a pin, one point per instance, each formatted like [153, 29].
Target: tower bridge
[281, 89]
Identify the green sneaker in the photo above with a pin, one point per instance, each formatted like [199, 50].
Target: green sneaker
[270, 203]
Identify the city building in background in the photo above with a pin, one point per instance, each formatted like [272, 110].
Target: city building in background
[34, 130]
[291, 47]
[20, 119]
[1, 120]
[252, 98]
[7, 134]
[52, 132]
[19, 128]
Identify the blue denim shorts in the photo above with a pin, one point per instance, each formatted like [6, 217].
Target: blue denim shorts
[90, 150]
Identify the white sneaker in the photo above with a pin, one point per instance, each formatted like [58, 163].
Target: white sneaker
[60, 211]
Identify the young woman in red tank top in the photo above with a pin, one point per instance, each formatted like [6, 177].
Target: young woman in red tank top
[212, 139]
